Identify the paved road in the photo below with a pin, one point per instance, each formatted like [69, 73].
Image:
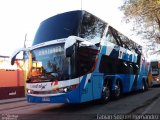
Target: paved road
[132, 104]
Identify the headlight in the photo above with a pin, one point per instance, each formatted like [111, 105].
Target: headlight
[65, 89]
[157, 79]
[69, 88]
[29, 91]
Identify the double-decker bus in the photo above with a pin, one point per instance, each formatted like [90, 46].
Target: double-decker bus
[77, 57]
[155, 70]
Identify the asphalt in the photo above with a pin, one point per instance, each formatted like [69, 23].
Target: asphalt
[153, 108]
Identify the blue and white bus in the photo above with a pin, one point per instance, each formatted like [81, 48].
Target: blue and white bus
[77, 57]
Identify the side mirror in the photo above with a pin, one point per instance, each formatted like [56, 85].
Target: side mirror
[69, 51]
[15, 53]
[69, 46]
[70, 42]
[97, 44]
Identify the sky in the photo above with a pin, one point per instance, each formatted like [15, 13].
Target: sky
[21, 17]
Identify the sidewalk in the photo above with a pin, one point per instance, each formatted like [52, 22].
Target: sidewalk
[5, 101]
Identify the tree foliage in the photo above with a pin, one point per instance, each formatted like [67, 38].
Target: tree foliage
[146, 16]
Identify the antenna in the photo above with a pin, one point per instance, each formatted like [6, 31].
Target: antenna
[81, 4]
[25, 40]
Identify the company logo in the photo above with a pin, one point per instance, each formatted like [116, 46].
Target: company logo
[55, 83]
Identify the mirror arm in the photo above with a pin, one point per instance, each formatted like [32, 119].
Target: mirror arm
[15, 53]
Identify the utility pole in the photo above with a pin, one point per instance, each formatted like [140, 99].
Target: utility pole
[24, 64]
[25, 40]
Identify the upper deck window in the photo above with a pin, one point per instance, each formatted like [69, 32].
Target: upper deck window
[58, 27]
[76, 23]
[92, 28]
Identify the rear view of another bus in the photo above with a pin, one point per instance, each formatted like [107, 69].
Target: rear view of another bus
[155, 68]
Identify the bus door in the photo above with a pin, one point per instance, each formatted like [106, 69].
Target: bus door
[86, 63]
[97, 84]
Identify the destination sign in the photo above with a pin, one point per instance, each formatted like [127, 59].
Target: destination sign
[49, 50]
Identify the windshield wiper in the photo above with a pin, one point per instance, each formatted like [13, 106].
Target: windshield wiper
[51, 75]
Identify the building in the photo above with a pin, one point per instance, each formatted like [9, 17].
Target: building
[11, 78]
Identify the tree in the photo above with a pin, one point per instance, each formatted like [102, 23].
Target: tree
[146, 16]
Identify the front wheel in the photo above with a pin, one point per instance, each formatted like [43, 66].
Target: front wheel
[105, 93]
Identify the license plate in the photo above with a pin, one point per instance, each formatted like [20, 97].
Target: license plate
[46, 99]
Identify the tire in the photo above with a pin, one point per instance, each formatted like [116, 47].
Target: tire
[147, 86]
[144, 86]
[118, 90]
[105, 93]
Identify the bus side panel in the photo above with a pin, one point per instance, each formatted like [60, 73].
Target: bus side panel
[127, 83]
[140, 81]
[86, 88]
[74, 95]
[143, 73]
[97, 84]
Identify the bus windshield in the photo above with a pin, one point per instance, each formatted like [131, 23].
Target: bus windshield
[48, 64]
[155, 70]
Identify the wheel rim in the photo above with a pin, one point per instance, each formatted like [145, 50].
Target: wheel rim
[117, 89]
[106, 93]
[143, 88]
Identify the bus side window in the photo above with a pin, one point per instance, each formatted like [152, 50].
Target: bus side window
[110, 38]
[91, 28]
[108, 65]
[124, 40]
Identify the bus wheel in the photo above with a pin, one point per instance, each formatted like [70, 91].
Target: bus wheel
[105, 93]
[144, 86]
[117, 93]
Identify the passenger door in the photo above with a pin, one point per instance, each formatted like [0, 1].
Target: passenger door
[97, 85]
